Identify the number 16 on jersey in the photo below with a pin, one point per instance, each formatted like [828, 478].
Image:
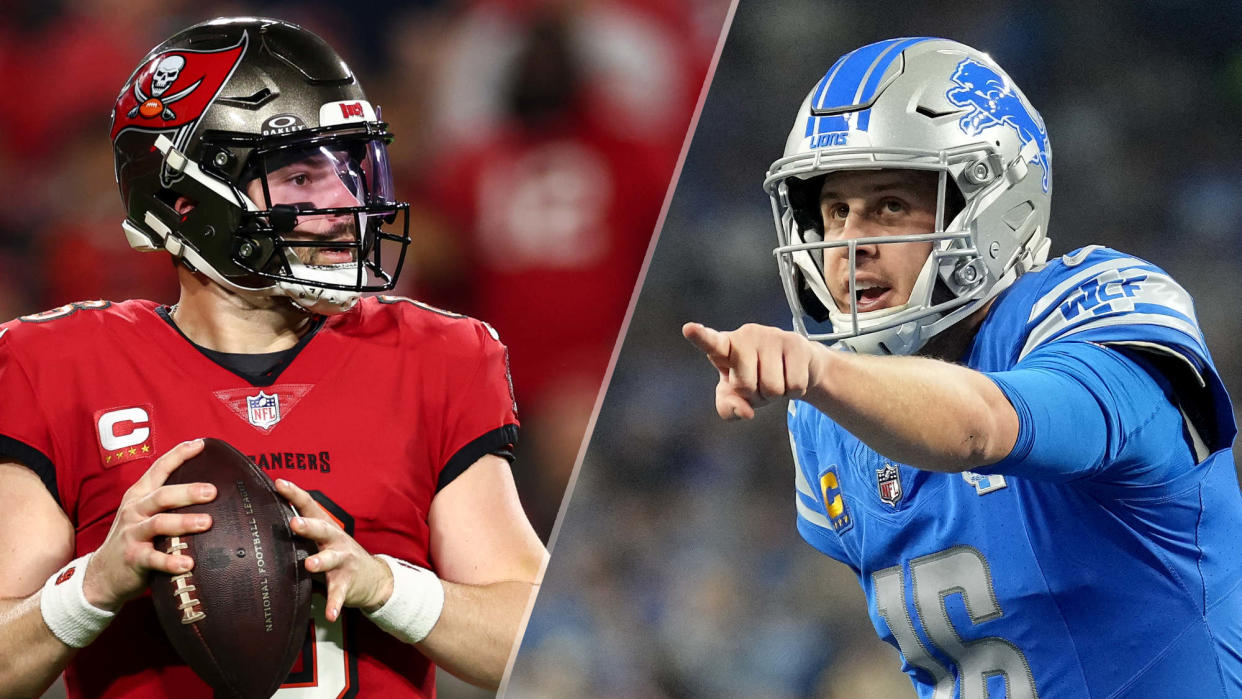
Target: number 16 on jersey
[933, 578]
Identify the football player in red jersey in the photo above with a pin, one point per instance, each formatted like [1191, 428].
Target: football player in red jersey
[246, 150]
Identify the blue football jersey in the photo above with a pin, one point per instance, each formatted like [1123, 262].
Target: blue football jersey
[1103, 557]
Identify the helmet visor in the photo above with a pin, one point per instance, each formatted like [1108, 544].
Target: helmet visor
[323, 205]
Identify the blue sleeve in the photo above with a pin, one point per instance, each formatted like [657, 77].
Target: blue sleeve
[1089, 412]
[813, 522]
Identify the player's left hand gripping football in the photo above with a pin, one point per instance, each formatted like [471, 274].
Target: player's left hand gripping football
[355, 578]
[757, 364]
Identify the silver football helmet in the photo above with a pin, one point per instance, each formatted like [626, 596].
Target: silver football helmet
[915, 104]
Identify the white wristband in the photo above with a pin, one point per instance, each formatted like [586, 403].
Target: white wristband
[66, 612]
[416, 602]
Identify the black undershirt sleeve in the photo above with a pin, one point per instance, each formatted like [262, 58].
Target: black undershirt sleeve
[33, 459]
[499, 441]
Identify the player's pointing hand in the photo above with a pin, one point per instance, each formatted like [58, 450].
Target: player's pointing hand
[757, 363]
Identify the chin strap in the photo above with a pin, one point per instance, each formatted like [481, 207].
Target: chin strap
[318, 299]
[325, 302]
[1033, 257]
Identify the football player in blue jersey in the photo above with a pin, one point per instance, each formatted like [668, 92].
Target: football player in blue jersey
[1026, 463]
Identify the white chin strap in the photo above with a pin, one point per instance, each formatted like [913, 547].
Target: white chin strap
[317, 299]
[906, 338]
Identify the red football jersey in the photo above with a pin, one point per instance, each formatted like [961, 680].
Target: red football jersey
[380, 408]
[557, 224]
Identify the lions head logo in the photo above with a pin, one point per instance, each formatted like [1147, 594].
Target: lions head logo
[993, 101]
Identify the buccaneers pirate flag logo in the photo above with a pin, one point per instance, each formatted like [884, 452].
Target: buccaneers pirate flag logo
[173, 88]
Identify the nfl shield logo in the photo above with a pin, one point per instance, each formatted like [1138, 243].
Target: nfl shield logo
[889, 480]
[263, 410]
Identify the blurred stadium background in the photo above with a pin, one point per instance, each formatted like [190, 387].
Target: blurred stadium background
[677, 570]
[535, 141]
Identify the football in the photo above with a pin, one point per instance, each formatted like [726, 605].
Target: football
[239, 617]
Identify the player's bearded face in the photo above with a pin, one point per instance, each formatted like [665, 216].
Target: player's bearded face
[874, 204]
[323, 179]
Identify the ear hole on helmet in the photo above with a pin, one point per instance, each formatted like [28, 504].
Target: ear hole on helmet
[178, 204]
[941, 293]
[804, 203]
[184, 205]
[954, 202]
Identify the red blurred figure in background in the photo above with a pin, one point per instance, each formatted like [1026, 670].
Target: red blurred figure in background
[550, 211]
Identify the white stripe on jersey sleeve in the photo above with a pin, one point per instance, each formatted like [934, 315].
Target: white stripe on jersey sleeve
[1157, 289]
[1060, 290]
[812, 516]
[805, 492]
[1040, 335]
[800, 481]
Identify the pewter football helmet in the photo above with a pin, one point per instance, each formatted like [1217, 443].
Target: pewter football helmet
[233, 102]
[915, 104]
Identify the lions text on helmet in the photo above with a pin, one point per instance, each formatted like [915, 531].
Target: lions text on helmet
[248, 150]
